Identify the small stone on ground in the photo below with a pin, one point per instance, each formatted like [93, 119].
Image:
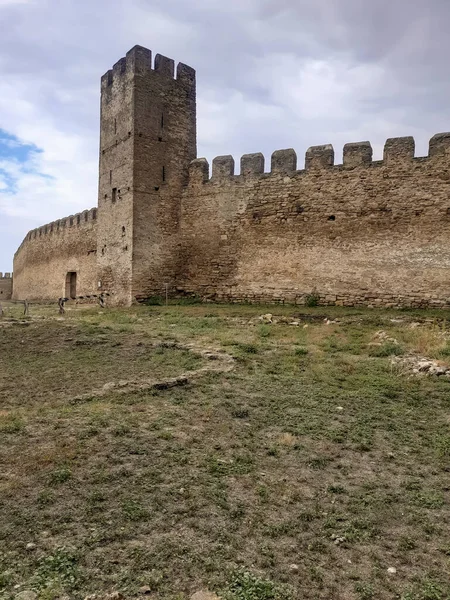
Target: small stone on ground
[204, 596]
[26, 595]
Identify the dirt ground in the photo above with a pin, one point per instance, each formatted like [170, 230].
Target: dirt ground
[165, 450]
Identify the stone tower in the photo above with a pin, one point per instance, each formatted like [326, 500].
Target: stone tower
[147, 140]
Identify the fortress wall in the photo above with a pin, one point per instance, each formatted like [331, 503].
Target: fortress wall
[375, 233]
[6, 286]
[49, 252]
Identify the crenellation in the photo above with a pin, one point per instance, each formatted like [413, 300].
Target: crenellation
[252, 164]
[198, 171]
[107, 80]
[363, 232]
[284, 161]
[120, 67]
[139, 60]
[319, 157]
[79, 219]
[399, 150]
[439, 145]
[223, 167]
[357, 154]
[186, 75]
[164, 66]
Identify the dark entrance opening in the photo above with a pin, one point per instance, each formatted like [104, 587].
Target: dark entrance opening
[71, 285]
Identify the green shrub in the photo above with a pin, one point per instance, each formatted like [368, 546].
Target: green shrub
[61, 568]
[301, 351]
[246, 586]
[60, 475]
[154, 301]
[248, 348]
[312, 299]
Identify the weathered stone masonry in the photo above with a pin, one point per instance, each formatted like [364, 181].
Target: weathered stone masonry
[364, 232]
[48, 253]
[6, 286]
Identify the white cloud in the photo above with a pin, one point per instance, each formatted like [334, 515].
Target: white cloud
[62, 176]
[14, 2]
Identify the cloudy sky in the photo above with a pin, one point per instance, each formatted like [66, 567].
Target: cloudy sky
[271, 74]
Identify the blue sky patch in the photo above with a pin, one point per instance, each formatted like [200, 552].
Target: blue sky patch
[11, 148]
[15, 152]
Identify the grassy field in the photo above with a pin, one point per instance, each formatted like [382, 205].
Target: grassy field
[172, 449]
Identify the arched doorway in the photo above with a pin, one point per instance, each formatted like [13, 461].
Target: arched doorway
[71, 285]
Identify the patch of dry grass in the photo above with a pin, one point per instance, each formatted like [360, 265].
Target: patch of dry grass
[310, 452]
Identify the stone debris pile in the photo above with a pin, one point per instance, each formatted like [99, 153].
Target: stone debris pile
[418, 365]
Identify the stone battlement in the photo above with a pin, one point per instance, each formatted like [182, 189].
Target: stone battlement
[5, 276]
[397, 151]
[373, 232]
[77, 220]
[138, 61]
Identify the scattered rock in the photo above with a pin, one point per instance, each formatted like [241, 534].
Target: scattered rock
[30, 547]
[424, 365]
[145, 589]
[337, 539]
[381, 337]
[434, 370]
[26, 595]
[392, 570]
[418, 365]
[339, 408]
[204, 596]
[112, 596]
[294, 568]
[268, 318]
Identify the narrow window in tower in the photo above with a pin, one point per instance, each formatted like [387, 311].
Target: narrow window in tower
[162, 121]
[114, 195]
[164, 173]
[115, 125]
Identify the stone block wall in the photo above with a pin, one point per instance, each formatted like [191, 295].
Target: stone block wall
[6, 286]
[48, 253]
[364, 232]
[147, 141]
